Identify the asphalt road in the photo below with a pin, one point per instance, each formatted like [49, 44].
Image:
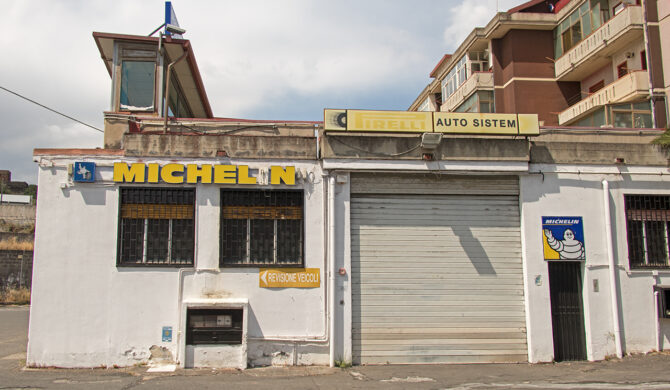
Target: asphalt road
[633, 372]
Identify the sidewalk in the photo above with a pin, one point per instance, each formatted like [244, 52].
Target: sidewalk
[650, 371]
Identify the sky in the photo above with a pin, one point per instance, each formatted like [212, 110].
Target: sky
[259, 59]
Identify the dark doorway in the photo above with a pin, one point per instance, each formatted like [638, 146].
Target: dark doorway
[567, 312]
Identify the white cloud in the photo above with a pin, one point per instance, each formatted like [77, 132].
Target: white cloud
[469, 14]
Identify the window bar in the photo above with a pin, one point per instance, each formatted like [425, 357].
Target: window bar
[644, 242]
[145, 239]
[665, 244]
[169, 243]
[248, 255]
[274, 243]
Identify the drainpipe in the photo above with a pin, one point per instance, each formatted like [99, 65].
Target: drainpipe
[167, 89]
[647, 54]
[612, 268]
[657, 321]
[331, 264]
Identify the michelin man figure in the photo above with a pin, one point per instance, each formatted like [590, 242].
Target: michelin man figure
[568, 248]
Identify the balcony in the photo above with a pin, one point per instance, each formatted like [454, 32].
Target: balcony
[632, 86]
[593, 52]
[477, 81]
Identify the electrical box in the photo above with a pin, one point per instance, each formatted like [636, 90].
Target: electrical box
[214, 326]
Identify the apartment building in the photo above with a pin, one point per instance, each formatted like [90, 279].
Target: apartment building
[594, 63]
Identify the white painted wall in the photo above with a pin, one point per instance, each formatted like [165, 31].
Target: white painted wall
[87, 312]
[581, 194]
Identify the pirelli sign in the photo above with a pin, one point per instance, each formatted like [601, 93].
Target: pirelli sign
[429, 122]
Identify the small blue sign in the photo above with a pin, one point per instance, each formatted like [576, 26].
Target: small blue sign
[167, 334]
[84, 172]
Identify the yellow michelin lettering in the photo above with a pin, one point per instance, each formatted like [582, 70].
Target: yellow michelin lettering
[243, 175]
[168, 171]
[278, 174]
[152, 173]
[193, 173]
[225, 174]
[128, 174]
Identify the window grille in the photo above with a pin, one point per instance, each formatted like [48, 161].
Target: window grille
[647, 226]
[156, 226]
[261, 228]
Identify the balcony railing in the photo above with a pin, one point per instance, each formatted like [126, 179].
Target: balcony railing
[628, 88]
[477, 81]
[610, 37]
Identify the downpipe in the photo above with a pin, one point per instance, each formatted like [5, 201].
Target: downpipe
[614, 294]
[331, 266]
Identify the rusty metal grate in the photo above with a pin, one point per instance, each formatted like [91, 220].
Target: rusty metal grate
[647, 226]
[261, 227]
[156, 226]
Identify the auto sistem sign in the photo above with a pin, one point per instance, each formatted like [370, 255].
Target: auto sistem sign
[429, 122]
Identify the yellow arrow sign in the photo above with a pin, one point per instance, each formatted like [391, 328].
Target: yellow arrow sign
[289, 277]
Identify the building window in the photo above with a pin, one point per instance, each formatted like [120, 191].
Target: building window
[137, 85]
[622, 69]
[261, 228]
[595, 119]
[178, 105]
[597, 87]
[156, 227]
[481, 101]
[618, 8]
[663, 301]
[579, 24]
[425, 106]
[455, 78]
[632, 115]
[647, 226]
[643, 60]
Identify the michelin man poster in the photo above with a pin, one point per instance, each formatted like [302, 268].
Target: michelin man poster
[563, 238]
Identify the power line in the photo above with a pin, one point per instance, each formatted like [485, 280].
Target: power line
[51, 109]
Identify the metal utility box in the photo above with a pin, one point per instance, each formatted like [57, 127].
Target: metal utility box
[214, 326]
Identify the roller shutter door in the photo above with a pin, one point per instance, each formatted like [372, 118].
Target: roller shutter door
[436, 270]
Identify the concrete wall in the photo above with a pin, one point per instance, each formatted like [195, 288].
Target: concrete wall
[88, 312]
[578, 191]
[20, 214]
[16, 269]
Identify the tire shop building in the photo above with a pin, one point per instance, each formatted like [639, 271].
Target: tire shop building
[373, 237]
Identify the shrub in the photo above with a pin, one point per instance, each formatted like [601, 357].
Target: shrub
[15, 296]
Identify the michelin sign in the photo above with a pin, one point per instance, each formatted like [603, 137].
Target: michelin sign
[173, 173]
[563, 238]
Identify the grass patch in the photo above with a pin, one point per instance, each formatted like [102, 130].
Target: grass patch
[342, 363]
[15, 296]
[13, 244]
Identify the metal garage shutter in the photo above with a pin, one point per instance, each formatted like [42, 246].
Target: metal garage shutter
[437, 278]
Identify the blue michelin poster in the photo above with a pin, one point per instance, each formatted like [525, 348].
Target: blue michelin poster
[84, 172]
[563, 238]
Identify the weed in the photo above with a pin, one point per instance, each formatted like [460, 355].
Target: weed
[15, 296]
[13, 244]
[341, 363]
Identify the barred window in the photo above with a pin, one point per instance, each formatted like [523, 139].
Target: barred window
[647, 226]
[261, 228]
[156, 227]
